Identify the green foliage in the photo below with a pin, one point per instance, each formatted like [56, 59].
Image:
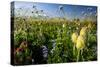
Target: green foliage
[57, 37]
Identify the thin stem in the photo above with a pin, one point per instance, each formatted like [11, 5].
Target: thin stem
[82, 55]
[78, 55]
[74, 49]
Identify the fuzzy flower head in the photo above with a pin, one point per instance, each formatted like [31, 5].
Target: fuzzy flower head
[83, 31]
[80, 42]
[74, 37]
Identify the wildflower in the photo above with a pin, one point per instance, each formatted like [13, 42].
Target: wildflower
[80, 42]
[39, 23]
[74, 37]
[69, 28]
[83, 32]
[63, 25]
[89, 26]
[23, 44]
[19, 51]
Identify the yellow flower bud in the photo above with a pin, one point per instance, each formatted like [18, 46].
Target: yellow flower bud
[74, 37]
[83, 31]
[80, 42]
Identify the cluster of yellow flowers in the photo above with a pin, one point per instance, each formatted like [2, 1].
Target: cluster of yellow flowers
[79, 41]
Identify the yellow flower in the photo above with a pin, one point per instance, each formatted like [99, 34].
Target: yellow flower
[83, 31]
[74, 37]
[89, 25]
[80, 42]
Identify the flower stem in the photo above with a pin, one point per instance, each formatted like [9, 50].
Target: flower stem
[74, 49]
[82, 55]
[78, 55]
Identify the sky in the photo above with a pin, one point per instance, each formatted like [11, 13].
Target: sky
[52, 10]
